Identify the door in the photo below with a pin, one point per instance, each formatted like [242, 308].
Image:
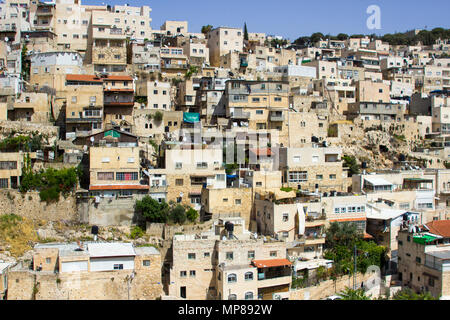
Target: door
[183, 292]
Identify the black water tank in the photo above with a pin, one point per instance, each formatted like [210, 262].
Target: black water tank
[229, 226]
[314, 139]
[94, 230]
[364, 165]
[401, 158]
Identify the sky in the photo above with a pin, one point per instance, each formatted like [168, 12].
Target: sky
[292, 19]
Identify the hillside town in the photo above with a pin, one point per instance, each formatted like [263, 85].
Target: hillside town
[155, 163]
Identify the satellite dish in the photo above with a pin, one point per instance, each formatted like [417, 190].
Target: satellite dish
[6, 39]
[92, 139]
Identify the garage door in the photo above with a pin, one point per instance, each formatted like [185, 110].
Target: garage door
[75, 266]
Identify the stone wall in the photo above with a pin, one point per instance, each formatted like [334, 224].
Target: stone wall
[328, 288]
[6, 127]
[161, 230]
[29, 205]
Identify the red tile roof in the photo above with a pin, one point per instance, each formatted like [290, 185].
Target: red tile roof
[83, 78]
[348, 220]
[271, 263]
[440, 228]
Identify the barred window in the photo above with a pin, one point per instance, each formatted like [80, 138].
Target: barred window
[8, 165]
[298, 176]
[105, 176]
[4, 183]
[126, 176]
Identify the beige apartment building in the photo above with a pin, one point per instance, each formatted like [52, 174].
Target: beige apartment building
[424, 258]
[189, 171]
[158, 94]
[197, 52]
[11, 164]
[118, 101]
[324, 69]
[173, 62]
[14, 17]
[257, 105]
[145, 57]
[50, 68]
[84, 104]
[314, 169]
[114, 165]
[223, 40]
[145, 124]
[31, 107]
[228, 266]
[87, 271]
[173, 28]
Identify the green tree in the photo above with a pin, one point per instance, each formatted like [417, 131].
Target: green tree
[206, 29]
[245, 32]
[408, 294]
[152, 210]
[316, 37]
[350, 294]
[192, 214]
[350, 162]
[192, 70]
[158, 116]
[342, 234]
[342, 36]
[178, 214]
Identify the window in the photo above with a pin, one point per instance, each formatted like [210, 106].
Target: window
[48, 260]
[273, 253]
[202, 165]
[191, 256]
[229, 255]
[418, 260]
[259, 112]
[232, 297]
[249, 295]
[232, 278]
[431, 282]
[277, 99]
[183, 274]
[248, 276]
[4, 183]
[105, 176]
[192, 273]
[179, 182]
[146, 263]
[118, 267]
[298, 176]
[237, 201]
[285, 217]
[332, 177]
[251, 254]
[127, 176]
[8, 165]
[319, 177]
[206, 255]
[225, 199]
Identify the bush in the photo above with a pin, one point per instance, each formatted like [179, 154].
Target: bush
[158, 116]
[136, 233]
[152, 210]
[286, 189]
[178, 214]
[192, 215]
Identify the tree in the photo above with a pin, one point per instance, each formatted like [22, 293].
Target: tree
[158, 116]
[206, 29]
[408, 294]
[343, 234]
[317, 36]
[192, 214]
[152, 210]
[178, 214]
[192, 70]
[342, 36]
[350, 162]
[350, 294]
[245, 32]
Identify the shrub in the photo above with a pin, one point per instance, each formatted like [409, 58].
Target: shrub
[136, 233]
[158, 116]
[178, 214]
[192, 215]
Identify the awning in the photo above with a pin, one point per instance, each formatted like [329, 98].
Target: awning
[112, 133]
[375, 181]
[271, 263]
[190, 117]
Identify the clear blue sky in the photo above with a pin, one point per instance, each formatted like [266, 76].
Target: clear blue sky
[294, 18]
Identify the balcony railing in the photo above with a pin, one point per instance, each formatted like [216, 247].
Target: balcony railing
[240, 115]
[116, 31]
[276, 117]
[174, 66]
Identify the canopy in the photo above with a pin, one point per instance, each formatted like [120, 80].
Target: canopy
[190, 117]
[271, 263]
[112, 133]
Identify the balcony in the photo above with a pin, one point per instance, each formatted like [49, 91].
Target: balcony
[239, 115]
[276, 116]
[174, 66]
[272, 279]
[116, 31]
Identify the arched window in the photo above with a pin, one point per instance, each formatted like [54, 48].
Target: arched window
[248, 276]
[232, 297]
[249, 295]
[232, 278]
